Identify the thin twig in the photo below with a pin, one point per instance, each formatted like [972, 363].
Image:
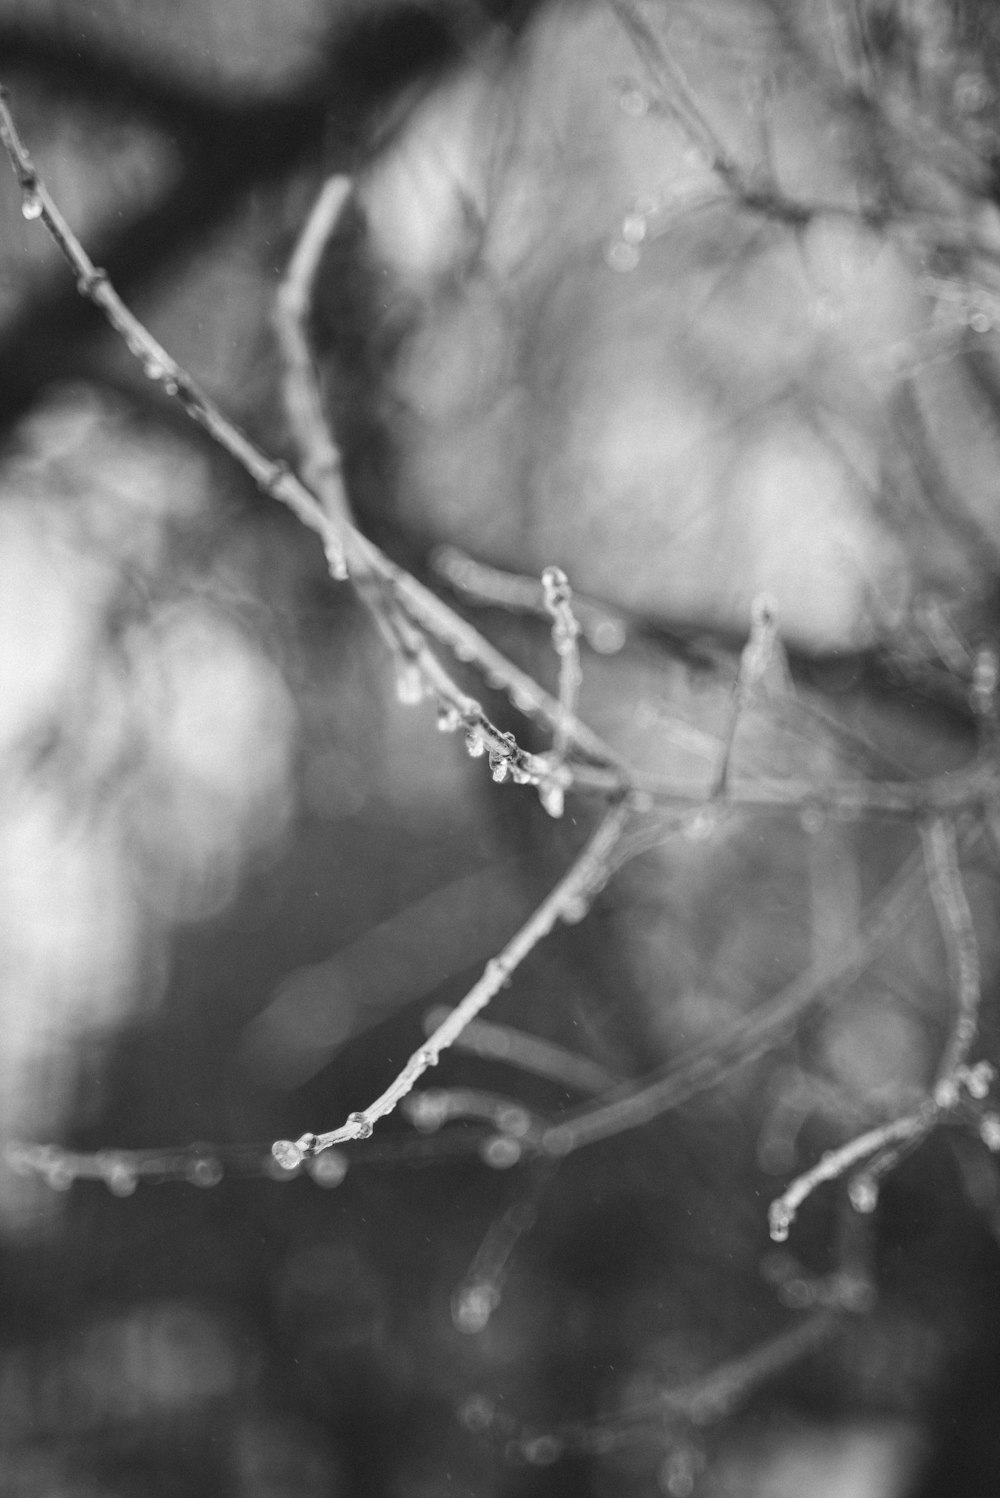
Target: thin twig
[951, 905]
[755, 659]
[835, 1163]
[576, 887]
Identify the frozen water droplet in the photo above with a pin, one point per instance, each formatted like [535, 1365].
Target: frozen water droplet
[701, 825]
[205, 1172]
[449, 719]
[633, 102]
[863, 1194]
[426, 1111]
[153, 369]
[779, 1221]
[621, 256]
[477, 1413]
[328, 1169]
[989, 1132]
[499, 767]
[362, 1127]
[979, 1079]
[542, 1451]
[474, 743]
[119, 1177]
[573, 911]
[553, 798]
[500, 1152]
[59, 1174]
[812, 819]
[473, 1306]
[409, 685]
[31, 204]
[288, 1154]
[634, 228]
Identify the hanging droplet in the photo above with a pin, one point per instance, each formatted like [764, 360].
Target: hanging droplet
[205, 1172]
[552, 797]
[287, 1153]
[328, 1169]
[31, 204]
[474, 743]
[500, 1152]
[779, 1220]
[409, 685]
[499, 767]
[59, 1174]
[634, 228]
[449, 719]
[153, 369]
[361, 1126]
[473, 1306]
[574, 910]
[541, 1451]
[863, 1194]
[622, 256]
[119, 1177]
[989, 1132]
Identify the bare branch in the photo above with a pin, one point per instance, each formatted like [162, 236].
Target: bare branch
[576, 887]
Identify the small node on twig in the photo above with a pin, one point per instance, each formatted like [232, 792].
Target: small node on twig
[360, 1125]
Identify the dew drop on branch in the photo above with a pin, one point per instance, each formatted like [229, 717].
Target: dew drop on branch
[863, 1194]
[287, 1153]
[31, 204]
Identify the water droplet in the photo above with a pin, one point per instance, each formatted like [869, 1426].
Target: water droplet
[477, 1413]
[409, 685]
[542, 1451]
[473, 1306]
[119, 1176]
[701, 825]
[499, 767]
[573, 911]
[863, 1194]
[633, 102]
[779, 1221]
[153, 369]
[634, 228]
[989, 1132]
[608, 636]
[328, 1169]
[205, 1172]
[426, 1111]
[31, 204]
[449, 719]
[552, 797]
[980, 322]
[514, 1120]
[474, 743]
[362, 1127]
[979, 1079]
[288, 1154]
[59, 1174]
[812, 819]
[621, 256]
[500, 1152]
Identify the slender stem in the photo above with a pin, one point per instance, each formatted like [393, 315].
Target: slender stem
[578, 886]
